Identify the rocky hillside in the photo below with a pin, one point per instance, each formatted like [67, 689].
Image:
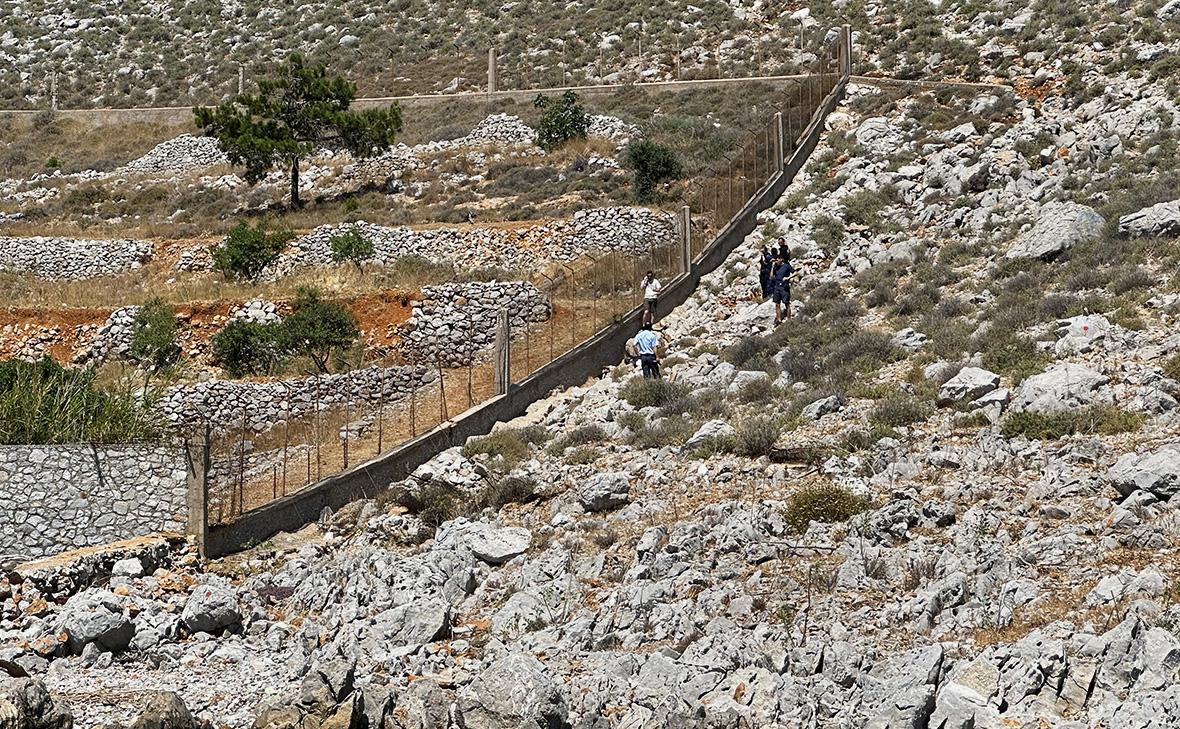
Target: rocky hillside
[938, 496]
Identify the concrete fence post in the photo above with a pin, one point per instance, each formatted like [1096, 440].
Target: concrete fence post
[778, 142]
[53, 91]
[846, 51]
[492, 71]
[684, 222]
[241, 79]
[197, 457]
[503, 353]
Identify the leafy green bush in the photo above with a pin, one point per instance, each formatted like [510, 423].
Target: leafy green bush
[824, 502]
[43, 403]
[153, 336]
[651, 164]
[1007, 353]
[317, 328]
[632, 420]
[1094, 420]
[898, 410]
[249, 250]
[351, 246]
[643, 393]
[756, 435]
[745, 349]
[247, 348]
[827, 232]
[562, 119]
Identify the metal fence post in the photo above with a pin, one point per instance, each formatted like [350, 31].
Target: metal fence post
[685, 220]
[846, 47]
[503, 349]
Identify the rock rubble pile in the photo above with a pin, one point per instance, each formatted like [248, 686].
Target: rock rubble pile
[72, 258]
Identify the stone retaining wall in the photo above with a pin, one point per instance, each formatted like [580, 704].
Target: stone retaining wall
[628, 230]
[71, 258]
[226, 404]
[57, 498]
[454, 323]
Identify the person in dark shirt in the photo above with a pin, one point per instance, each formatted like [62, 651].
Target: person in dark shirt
[765, 267]
[780, 283]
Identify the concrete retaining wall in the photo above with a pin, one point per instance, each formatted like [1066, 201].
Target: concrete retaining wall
[63, 497]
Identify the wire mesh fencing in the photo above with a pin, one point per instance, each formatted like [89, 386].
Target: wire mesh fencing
[300, 438]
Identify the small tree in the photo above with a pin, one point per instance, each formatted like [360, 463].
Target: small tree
[153, 337]
[351, 245]
[249, 250]
[562, 119]
[247, 347]
[317, 328]
[652, 164]
[297, 111]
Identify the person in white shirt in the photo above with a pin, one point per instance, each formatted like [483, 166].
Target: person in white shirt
[651, 291]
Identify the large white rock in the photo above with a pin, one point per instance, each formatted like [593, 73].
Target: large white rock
[497, 545]
[969, 384]
[1061, 387]
[1157, 472]
[1159, 219]
[1059, 227]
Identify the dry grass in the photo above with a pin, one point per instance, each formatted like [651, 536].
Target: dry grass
[27, 143]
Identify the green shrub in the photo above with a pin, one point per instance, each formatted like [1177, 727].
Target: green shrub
[760, 390]
[247, 348]
[510, 444]
[434, 503]
[824, 502]
[864, 208]
[827, 232]
[757, 435]
[583, 455]
[43, 403]
[643, 393]
[249, 250]
[562, 119]
[898, 410]
[509, 490]
[351, 246]
[651, 164]
[1007, 353]
[580, 436]
[1093, 420]
[153, 336]
[745, 349]
[632, 420]
[675, 430]
[317, 328]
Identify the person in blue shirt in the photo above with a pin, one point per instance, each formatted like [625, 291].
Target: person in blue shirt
[647, 341]
[780, 286]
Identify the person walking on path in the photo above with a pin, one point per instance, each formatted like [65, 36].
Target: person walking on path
[651, 291]
[765, 267]
[647, 343]
[780, 282]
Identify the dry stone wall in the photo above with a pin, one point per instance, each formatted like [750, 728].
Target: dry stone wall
[71, 258]
[259, 406]
[454, 323]
[69, 496]
[628, 230]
